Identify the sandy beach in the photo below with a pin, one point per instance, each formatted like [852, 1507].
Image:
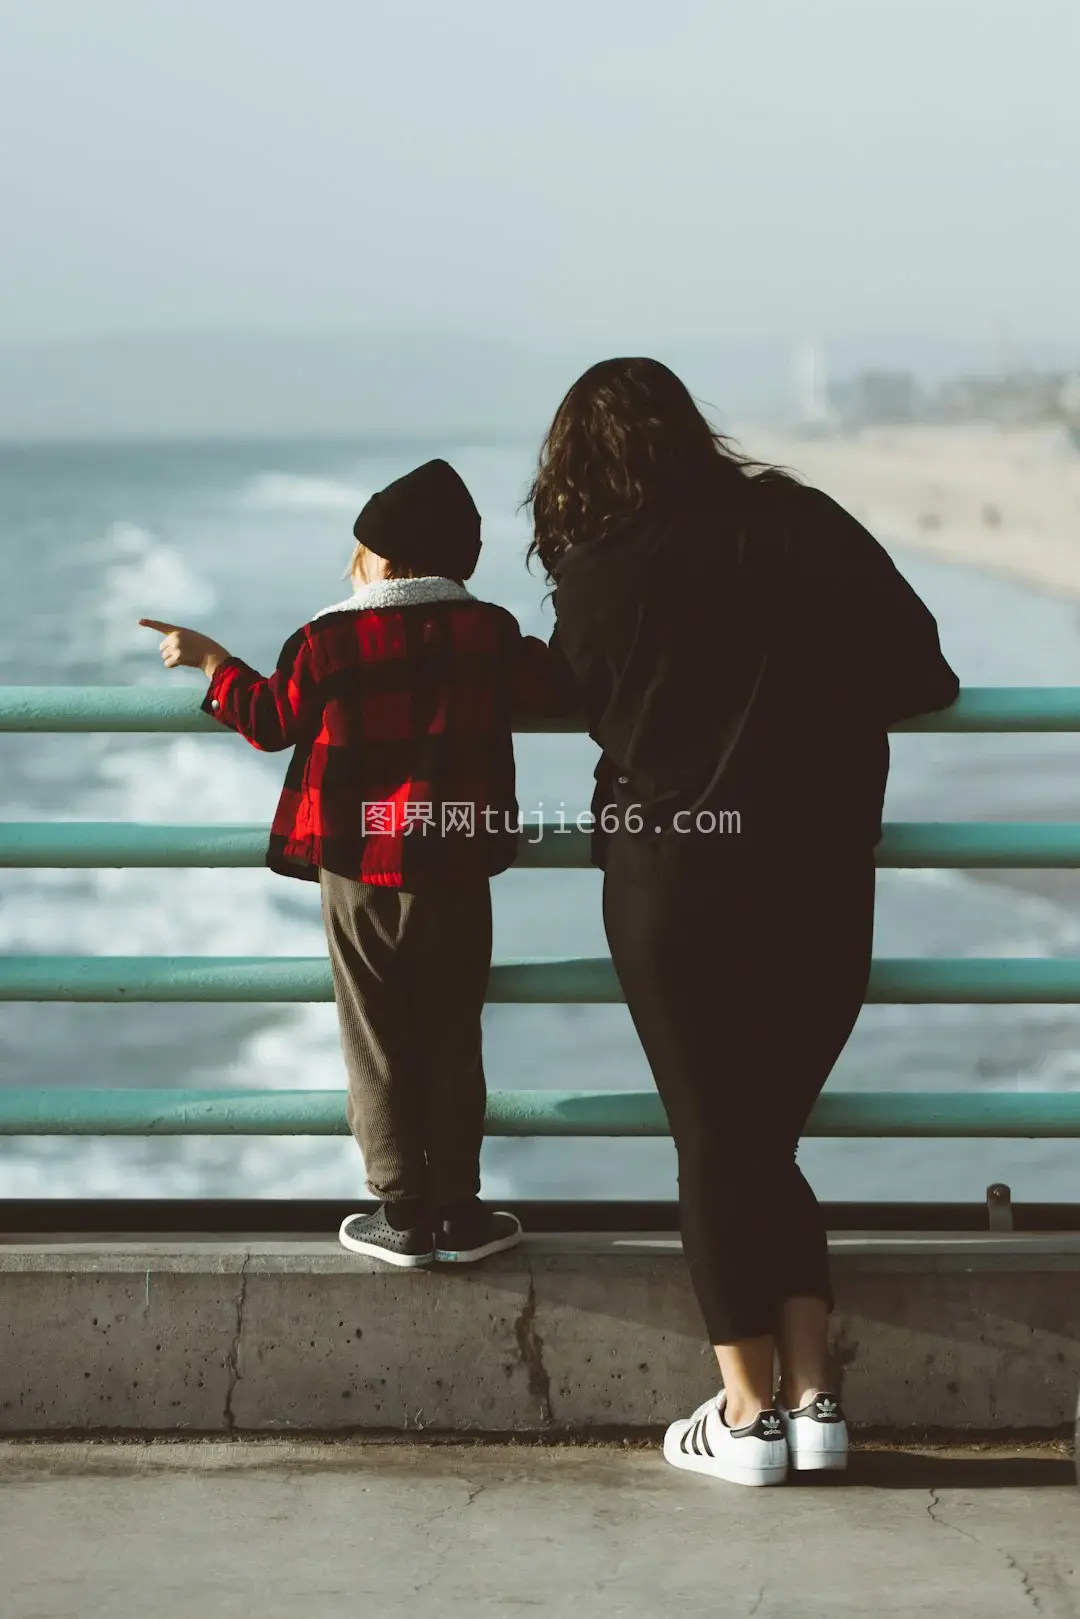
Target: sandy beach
[1000, 498]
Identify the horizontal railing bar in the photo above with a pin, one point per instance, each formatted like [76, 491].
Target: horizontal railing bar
[264, 979]
[73, 844]
[125, 843]
[978, 845]
[918, 980]
[136, 708]
[105, 708]
[130, 843]
[521, 1113]
[962, 844]
[1005, 708]
[177, 708]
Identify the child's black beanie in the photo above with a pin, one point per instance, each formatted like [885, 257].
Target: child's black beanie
[426, 521]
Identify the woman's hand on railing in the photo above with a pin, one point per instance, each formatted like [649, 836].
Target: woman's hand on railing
[187, 647]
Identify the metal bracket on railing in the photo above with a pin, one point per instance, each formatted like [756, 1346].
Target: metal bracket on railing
[999, 1209]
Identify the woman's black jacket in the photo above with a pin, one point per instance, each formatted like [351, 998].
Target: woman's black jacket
[745, 649]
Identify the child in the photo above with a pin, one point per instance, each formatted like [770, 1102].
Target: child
[400, 802]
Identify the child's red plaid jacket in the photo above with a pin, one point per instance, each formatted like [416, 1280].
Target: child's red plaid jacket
[400, 703]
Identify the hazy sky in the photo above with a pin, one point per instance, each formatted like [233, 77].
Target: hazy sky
[605, 170]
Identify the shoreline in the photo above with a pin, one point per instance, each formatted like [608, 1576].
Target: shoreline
[1004, 500]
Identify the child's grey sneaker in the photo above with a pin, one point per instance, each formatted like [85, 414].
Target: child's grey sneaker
[465, 1235]
[372, 1234]
[817, 1435]
[703, 1443]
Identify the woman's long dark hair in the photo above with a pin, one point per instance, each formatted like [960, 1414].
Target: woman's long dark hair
[627, 433]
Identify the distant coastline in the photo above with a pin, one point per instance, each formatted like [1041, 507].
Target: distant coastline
[1002, 498]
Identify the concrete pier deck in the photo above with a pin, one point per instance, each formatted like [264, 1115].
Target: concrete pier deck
[279, 1529]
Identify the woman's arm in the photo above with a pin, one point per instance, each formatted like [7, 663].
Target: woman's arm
[542, 685]
[891, 630]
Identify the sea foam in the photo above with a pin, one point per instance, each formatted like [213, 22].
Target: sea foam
[289, 492]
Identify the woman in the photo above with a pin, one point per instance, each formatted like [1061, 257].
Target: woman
[740, 645]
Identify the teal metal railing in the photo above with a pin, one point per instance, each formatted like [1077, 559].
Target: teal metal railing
[50, 1111]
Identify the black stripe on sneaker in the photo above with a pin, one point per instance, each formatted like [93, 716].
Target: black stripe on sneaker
[684, 1441]
[696, 1437]
[705, 1434]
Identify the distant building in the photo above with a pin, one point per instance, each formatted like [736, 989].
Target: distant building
[813, 408]
[1007, 398]
[872, 398]
[1069, 405]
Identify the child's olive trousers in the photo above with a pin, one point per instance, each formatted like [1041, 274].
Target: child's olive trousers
[410, 975]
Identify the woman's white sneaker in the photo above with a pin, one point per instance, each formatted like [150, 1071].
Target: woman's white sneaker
[817, 1435]
[703, 1443]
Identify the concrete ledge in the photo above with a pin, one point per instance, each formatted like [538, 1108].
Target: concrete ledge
[566, 1334]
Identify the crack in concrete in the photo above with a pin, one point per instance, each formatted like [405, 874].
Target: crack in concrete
[471, 1494]
[756, 1604]
[932, 1507]
[425, 1585]
[531, 1350]
[1027, 1585]
[232, 1360]
[458, 1506]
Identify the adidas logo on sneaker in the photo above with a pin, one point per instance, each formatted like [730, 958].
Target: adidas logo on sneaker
[767, 1426]
[817, 1435]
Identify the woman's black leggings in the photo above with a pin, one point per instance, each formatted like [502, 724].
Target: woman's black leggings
[744, 976]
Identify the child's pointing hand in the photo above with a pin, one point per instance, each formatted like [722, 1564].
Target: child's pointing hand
[186, 647]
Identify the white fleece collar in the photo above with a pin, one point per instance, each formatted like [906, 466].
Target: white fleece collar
[400, 593]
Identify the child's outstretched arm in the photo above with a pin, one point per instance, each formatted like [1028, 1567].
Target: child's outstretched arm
[187, 648]
[269, 712]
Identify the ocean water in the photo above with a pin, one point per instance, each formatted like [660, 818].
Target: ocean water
[246, 541]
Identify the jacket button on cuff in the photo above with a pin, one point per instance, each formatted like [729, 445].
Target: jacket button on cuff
[624, 781]
[215, 705]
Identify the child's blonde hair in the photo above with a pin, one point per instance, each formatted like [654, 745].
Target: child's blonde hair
[394, 570]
